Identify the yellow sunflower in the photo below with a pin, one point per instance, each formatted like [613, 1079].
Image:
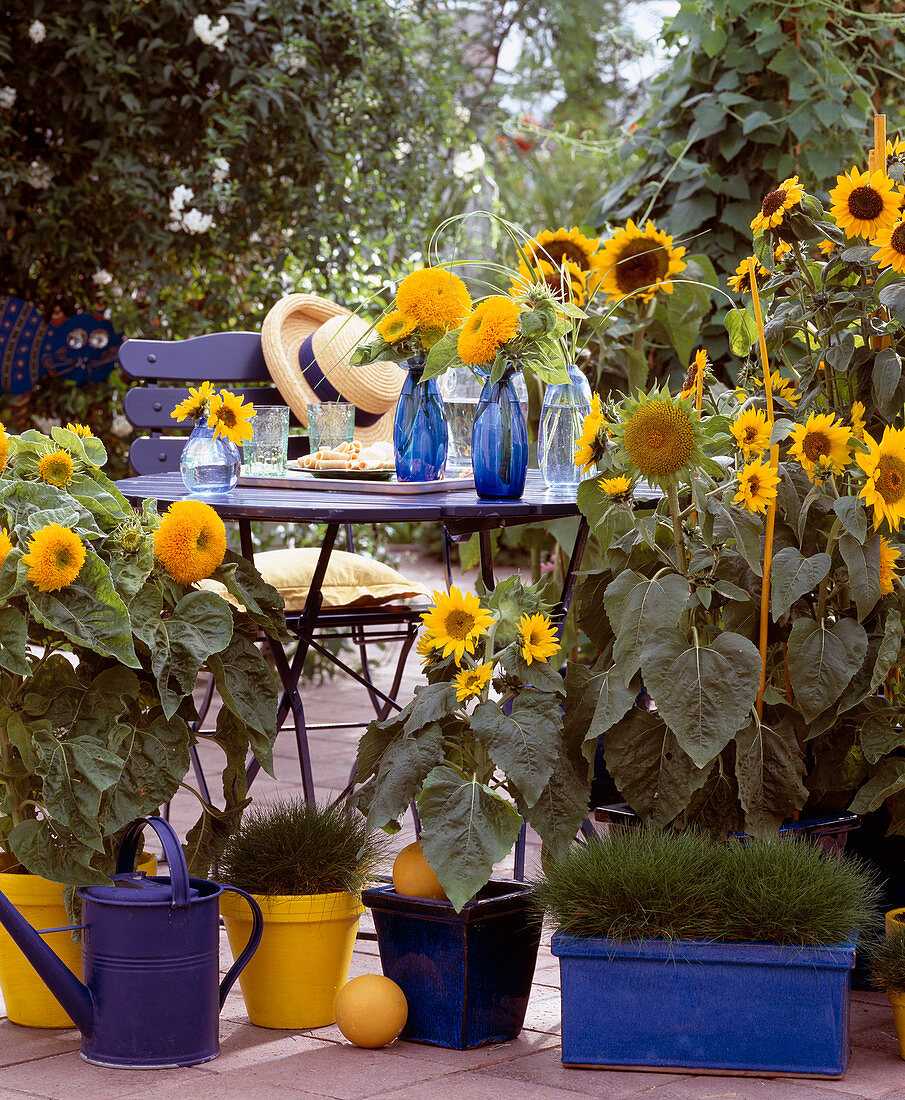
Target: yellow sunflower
[434, 297]
[190, 542]
[456, 622]
[740, 282]
[426, 649]
[591, 446]
[566, 283]
[780, 387]
[396, 326]
[821, 444]
[826, 246]
[618, 488]
[895, 146]
[492, 324]
[5, 544]
[56, 468]
[471, 682]
[890, 241]
[864, 203]
[698, 367]
[780, 252]
[636, 262]
[230, 416]
[195, 406]
[756, 486]
[659, 435]
[776, 203]
[55, 556]
[884, 465]
[559, 247]
[80, 429]
[4, 447]
[858, 422]
[889, 556]
[538, 637]
[751, 431]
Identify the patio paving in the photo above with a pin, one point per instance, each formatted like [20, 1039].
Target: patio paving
[260, 1063]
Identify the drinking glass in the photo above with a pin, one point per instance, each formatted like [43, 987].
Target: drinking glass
[329, 424]
[264, 455]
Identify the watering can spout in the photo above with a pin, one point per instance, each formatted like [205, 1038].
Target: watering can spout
[75, 997]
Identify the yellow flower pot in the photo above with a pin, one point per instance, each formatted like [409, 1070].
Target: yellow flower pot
[28, 1000]
[894, 919]
[897, 1001]
[303, 960]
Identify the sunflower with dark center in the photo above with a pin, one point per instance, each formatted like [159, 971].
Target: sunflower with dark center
[660, 436]
[890, 243]
[566, 247]
[740, 282]
[639, 262]
[864, 203]
[566, 282]
[884, 465]
[821, 442]
[776, 203]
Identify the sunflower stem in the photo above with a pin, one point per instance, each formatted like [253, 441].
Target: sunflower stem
[672, 495]
[823, 590]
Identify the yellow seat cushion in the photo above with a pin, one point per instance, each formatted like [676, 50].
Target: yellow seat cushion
[351, 580]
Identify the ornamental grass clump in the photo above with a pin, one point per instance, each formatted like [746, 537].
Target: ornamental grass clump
[293, 847]
[887, 963]
[646, 884]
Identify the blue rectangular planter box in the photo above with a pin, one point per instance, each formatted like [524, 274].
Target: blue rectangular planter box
[726, 1007]
[466, 976]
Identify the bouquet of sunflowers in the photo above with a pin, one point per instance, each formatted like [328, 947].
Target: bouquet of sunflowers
[486, 741]
[225, 412]
[757, 601]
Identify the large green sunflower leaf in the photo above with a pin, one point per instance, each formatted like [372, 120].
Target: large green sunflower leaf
[822, 660]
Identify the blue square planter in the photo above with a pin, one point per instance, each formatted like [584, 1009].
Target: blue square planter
[726, 1007]
[466, 976]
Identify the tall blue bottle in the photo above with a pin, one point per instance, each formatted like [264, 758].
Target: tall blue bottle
[420, 434]
[499, 441]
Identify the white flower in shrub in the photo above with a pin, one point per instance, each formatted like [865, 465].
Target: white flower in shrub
[39, 175]
[120, 426]
[210, 33]
[102, 277]
[7, 97]
[221, 170]
[467, 163]
[196, 222]
[37, 32]
[45, 423]
[180, 198]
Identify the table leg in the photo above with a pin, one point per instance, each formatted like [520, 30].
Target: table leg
[561, 610]
[485, 543]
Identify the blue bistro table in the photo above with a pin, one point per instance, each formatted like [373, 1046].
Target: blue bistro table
[461, 512]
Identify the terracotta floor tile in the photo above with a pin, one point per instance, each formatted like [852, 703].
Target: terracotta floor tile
[66, 1077]
[23, 1044]
[546, 1068]
[745, 1088]
[476, 1086]
[529, 1042]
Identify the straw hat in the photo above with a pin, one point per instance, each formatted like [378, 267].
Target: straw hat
[308, 342]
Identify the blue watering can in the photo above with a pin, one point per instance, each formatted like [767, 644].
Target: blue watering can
[150, 958]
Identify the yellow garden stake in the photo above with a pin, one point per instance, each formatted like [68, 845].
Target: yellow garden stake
[771, 508]
[877, 162]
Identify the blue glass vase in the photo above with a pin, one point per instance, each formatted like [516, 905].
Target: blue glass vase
[499, 440]
[420, 434]
[209, 466]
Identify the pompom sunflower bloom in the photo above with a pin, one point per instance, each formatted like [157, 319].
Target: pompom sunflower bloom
[639, 262]
[619, 489]
[858, 421]
[5, 544]
[863, 203]
[660, 436]
[884, 490]
[196, 405]
[740, 282]
[229, 417]
[471, 682]
[491, 325]
[436, 298]
[80, 429]
[538, 638]
[56, 468]
[566, 283]
[777, 203]
[55, 556]
[751, 432]
[190, 542]
[890, 244]
[757, 486]
[592, 441]
[889, 557]
[4, 447]
[821, 444]
[456, 622]
[396, 326]
[697, 369]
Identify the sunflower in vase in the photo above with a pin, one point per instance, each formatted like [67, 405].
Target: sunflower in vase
[484, 743]
[211, 459]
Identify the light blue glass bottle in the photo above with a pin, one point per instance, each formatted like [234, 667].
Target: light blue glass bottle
[561, 420]
[209, 466]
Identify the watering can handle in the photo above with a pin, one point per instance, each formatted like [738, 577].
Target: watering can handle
[172, 849]
[257, 928]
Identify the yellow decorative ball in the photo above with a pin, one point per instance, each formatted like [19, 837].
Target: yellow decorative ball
[413, 876]
[371, 1011]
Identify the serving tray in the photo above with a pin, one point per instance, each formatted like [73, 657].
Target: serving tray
[302, 479]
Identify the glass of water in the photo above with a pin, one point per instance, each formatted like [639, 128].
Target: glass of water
[264, 455]
[329, 424]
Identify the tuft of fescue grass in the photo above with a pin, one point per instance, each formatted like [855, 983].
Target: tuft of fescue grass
[292, 847]
[646, 884]
[887, 964]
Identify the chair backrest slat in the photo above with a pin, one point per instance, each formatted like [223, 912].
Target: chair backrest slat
[150, 406]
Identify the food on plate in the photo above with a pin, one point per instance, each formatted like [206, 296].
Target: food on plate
[350, 456]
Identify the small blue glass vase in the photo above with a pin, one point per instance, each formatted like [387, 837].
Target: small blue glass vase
[209, 466]
[499, 440]
[420, 434]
